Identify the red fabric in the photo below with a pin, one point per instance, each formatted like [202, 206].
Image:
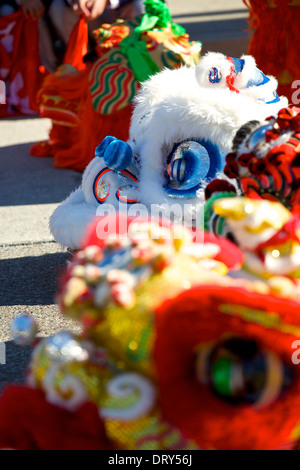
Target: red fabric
[190, 406]
[275, 39]
[29, 422]
[20, 66]
[42, 149]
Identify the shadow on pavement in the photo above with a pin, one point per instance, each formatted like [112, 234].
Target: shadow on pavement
[31, 280]
[28, 180]
[16, 362]
[22, 117]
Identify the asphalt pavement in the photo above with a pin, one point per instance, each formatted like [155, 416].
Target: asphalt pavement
[30, 189]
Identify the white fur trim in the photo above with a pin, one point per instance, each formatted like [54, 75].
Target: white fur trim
[69, 222]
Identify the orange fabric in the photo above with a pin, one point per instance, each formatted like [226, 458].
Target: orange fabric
[21, 72]
[87, 137]
[63, 95]
[190, 406]
[77, 45]
[274, 44]
[95, 102]
[74, 146]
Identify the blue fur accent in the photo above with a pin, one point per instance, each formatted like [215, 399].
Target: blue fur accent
[118, 155]
[99, 151]
[216, 160]
[258, 79]
[275, 100]
[238, 64]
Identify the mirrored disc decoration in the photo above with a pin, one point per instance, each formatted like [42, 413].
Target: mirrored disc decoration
[127, 194]
[189, 165]
[101, 187]
[257, 138]
[122, 184]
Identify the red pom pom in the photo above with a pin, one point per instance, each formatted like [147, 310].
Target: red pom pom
[245, 158]
[218, 186]
[257, 166]
[232, 170]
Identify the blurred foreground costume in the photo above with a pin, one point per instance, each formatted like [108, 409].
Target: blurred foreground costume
[132, 379]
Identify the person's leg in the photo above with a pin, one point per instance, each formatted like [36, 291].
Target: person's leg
[47, 55]
[63, 19]
[127, 12]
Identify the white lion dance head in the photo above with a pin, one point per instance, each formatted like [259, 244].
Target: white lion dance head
[182, 126]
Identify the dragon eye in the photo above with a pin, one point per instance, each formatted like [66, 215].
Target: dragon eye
[239, 372]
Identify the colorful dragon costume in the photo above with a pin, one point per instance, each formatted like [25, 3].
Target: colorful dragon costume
[132, 379]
